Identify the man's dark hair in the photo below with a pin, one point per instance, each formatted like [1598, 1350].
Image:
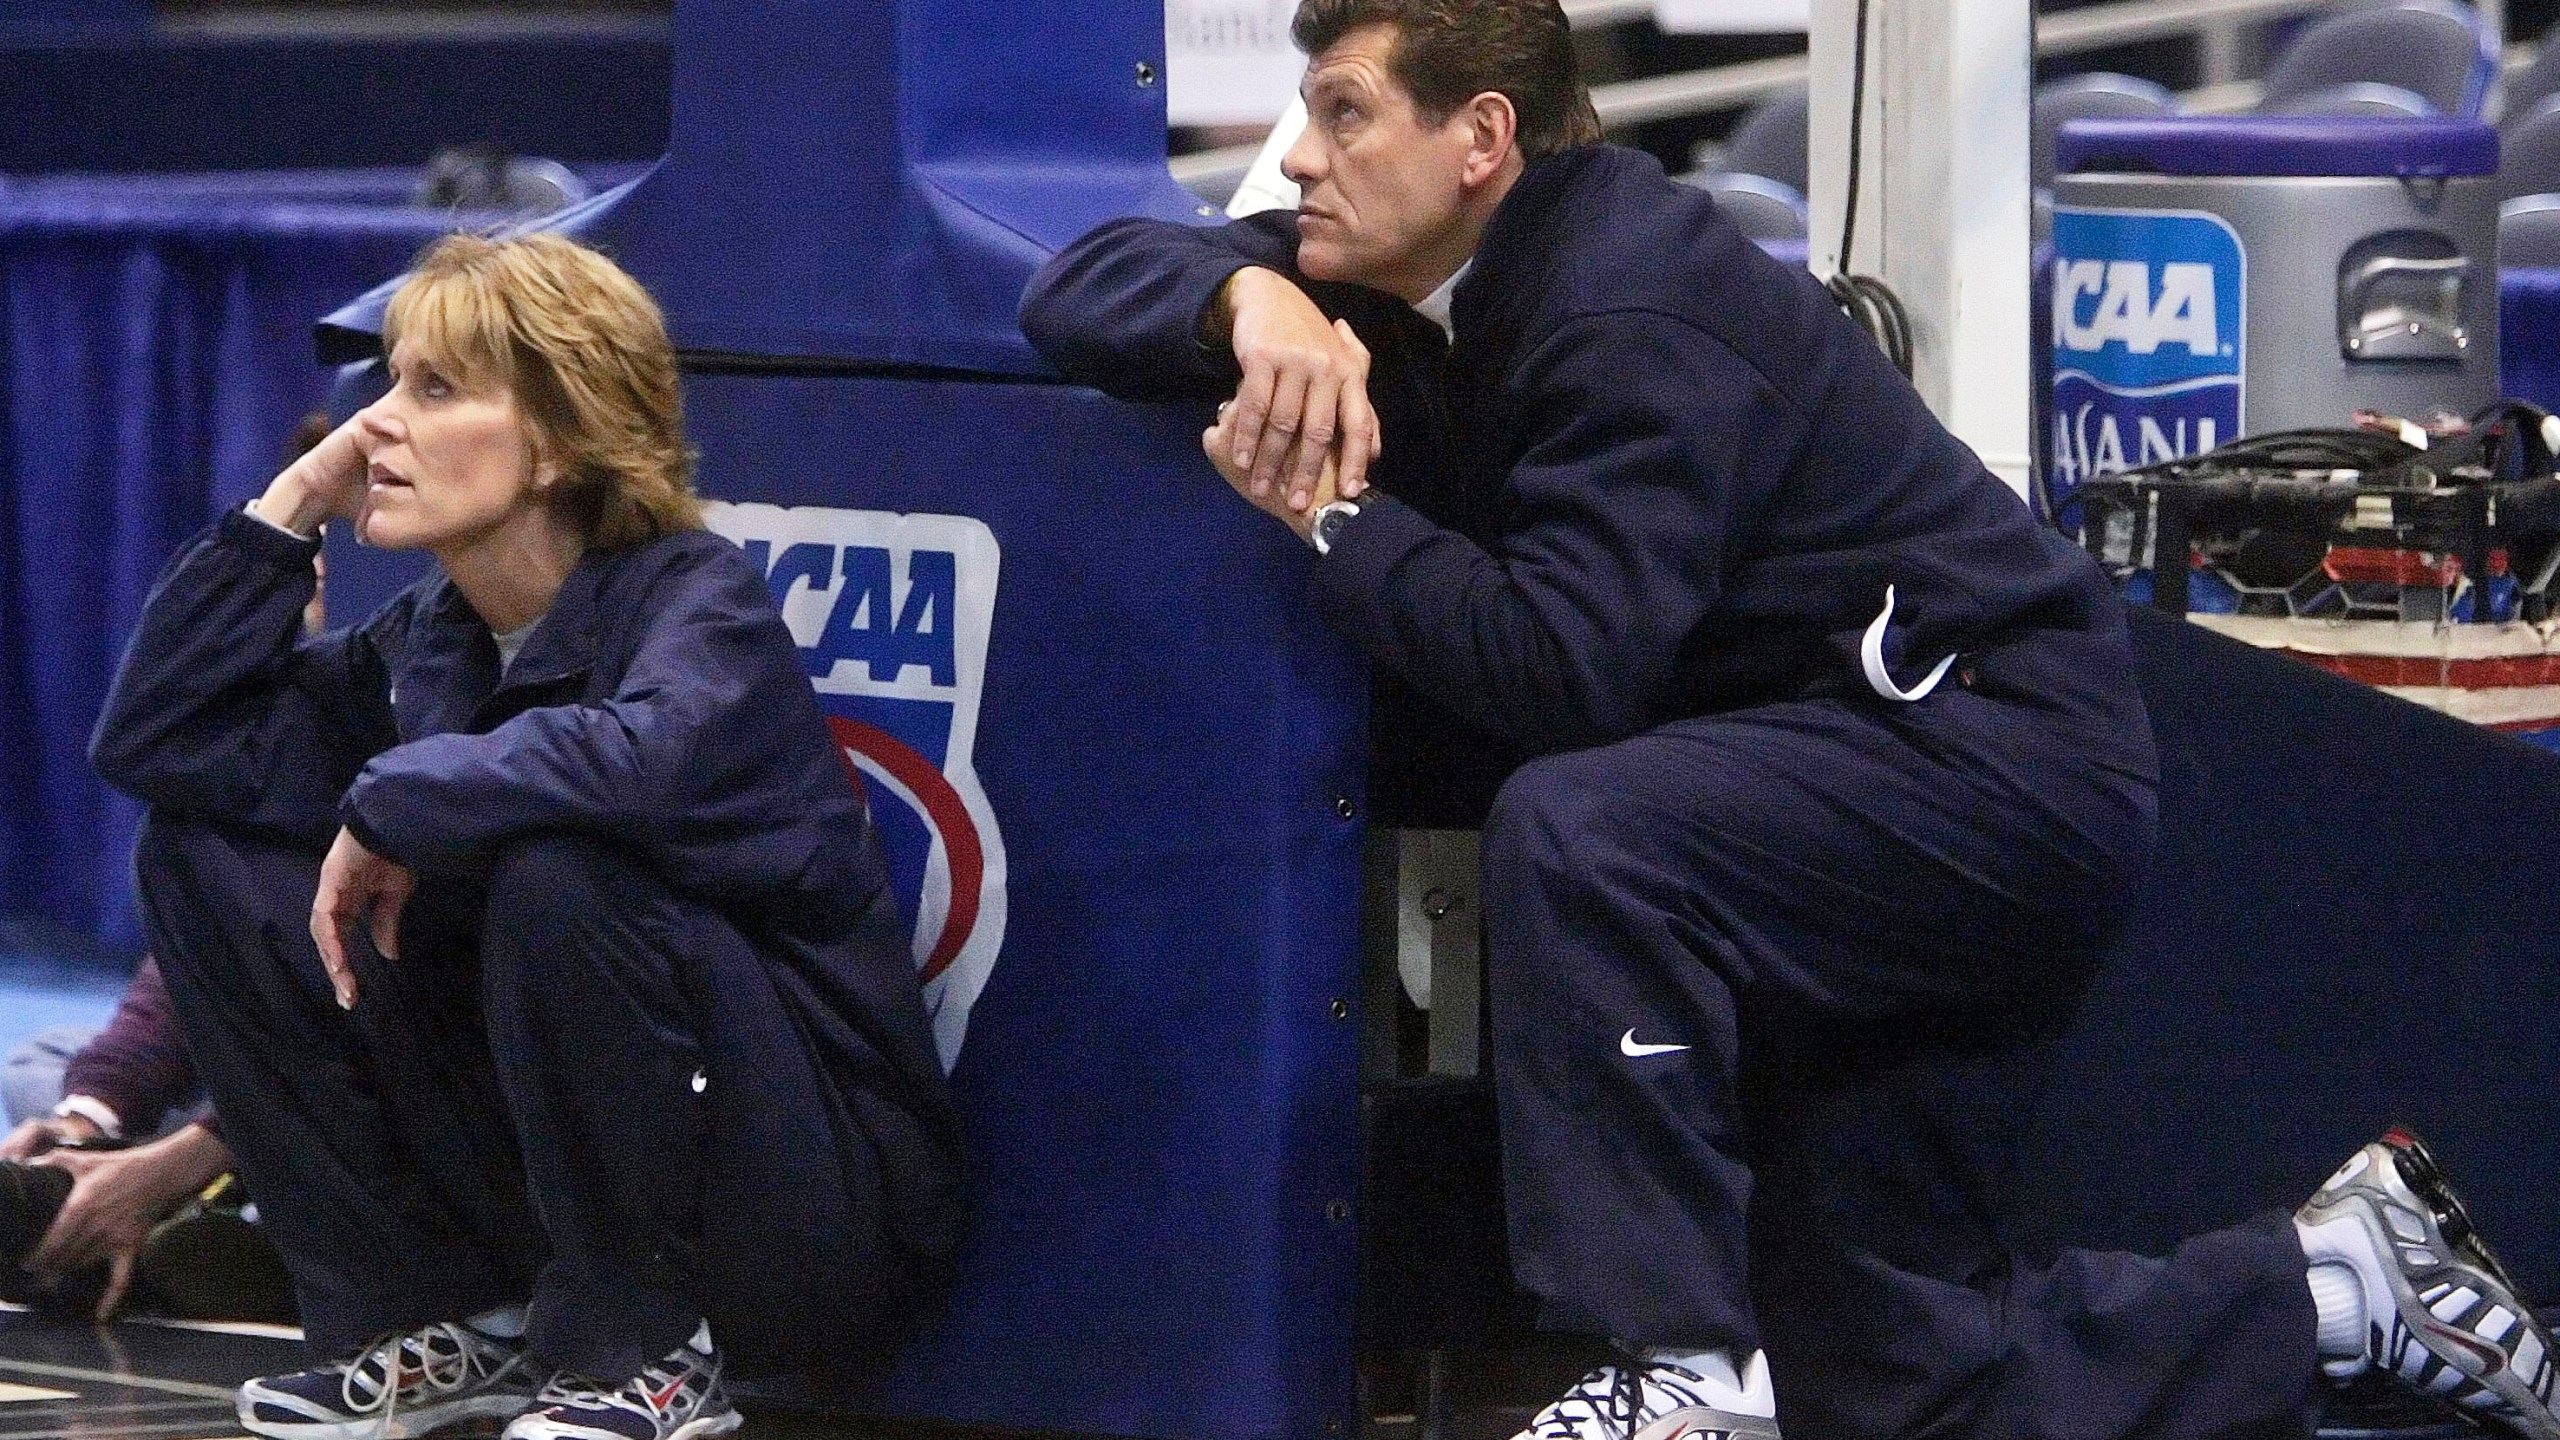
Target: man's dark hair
[1447, 52]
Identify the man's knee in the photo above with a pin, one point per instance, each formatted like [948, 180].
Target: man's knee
[1544, 860]
[1550, 813]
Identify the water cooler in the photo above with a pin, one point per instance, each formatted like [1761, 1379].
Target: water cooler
[2215, 277]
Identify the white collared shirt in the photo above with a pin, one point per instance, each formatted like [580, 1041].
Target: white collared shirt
[1435, 306]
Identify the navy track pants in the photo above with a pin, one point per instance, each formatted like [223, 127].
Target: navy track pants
[1868, 925]
[517, 1109]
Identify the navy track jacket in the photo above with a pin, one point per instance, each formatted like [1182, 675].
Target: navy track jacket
[660, 705]
[1657, 475]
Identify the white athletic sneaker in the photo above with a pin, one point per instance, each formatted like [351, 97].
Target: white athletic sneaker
[2441, 1313]
[400, 1386]
[1637, 1399]
[677, 1398]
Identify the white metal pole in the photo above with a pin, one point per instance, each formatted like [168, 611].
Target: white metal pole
[1943, 202]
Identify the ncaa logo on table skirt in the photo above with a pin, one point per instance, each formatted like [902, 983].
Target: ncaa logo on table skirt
[892, 614]
[2147, 342]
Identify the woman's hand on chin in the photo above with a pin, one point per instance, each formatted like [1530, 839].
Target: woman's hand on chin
[326, 483]
[356, 887]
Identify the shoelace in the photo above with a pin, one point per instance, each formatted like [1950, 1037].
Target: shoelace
[386, 1351]
[567, 1389]
[639, 1393]
[1610, 1395]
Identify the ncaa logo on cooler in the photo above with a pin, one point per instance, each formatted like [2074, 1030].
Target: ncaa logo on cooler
[2147, 338]
[892, 614]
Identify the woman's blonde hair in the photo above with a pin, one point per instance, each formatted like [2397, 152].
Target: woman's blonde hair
[585, 352]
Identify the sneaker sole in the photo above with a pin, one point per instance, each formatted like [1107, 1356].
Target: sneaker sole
[409, 1424]
[1695, 1423]
[701, 1427]
[2463, 1311]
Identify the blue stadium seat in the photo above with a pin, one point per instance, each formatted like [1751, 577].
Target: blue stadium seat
[1772, 140]
[2437, 49]
[2352, 97]
[2529, 232]
[2079, 97]
[1765, 209]
[2529, 151]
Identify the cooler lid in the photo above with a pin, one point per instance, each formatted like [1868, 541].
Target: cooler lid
[2356, 145]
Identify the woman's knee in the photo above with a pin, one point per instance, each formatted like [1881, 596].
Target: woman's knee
[553, 878]
[196, 878]
[170, 854]
[561, 907]
[577, 925]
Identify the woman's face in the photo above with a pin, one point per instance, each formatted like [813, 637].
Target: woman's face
[446, 468]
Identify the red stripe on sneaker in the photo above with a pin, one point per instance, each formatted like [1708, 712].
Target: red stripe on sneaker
[659, 1400]
[2491, 1358]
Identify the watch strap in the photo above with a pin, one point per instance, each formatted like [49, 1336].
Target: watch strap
[1329, 517]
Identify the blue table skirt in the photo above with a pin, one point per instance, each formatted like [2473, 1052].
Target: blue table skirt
[2529, 336]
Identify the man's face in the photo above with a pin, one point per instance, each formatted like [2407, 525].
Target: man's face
[1379, 191]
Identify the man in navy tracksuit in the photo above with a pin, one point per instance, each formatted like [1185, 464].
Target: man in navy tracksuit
[1836, 782]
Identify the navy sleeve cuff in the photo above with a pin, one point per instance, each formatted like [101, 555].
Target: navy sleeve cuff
[1208, 277]
[365, 834]
[1353, 575]
[242, 530]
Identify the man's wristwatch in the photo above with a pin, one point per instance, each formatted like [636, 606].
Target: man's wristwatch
[1327, 524]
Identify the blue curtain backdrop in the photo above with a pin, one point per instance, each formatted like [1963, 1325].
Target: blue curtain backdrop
[155, 353]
